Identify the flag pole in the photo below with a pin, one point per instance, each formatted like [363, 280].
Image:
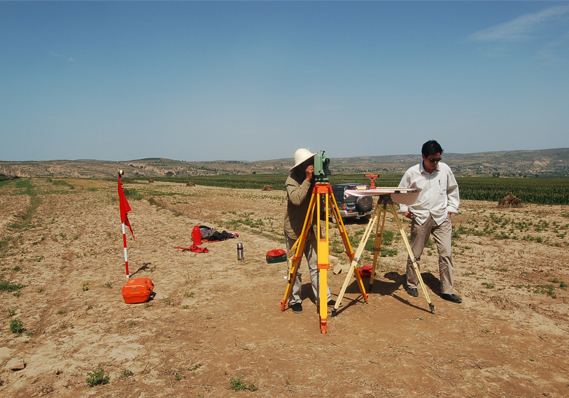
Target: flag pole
[125, 255]
[124, 208]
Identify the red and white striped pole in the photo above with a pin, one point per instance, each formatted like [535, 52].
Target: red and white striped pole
[125, 255]
[124, 209]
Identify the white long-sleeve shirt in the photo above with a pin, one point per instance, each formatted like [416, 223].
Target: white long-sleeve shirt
[439, 192]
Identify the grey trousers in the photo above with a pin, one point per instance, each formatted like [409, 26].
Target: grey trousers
[312, 258]
[442, 236]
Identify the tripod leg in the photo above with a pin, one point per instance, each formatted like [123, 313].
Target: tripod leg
[299, 245]
[323, 256]
[354, 263]
[377, 246]
[342, 228]
[410, 252]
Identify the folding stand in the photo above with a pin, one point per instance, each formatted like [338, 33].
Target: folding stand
[384, 201]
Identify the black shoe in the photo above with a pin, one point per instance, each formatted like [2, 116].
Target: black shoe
[297, 308]
[452, 297]
[412, 291]
[332, 303]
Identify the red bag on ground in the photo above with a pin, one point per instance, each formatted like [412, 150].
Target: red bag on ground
[365, 271]
[275, 253]
[276, 256]
[137, 290]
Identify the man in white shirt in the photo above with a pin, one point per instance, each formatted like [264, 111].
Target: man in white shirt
[431, 214]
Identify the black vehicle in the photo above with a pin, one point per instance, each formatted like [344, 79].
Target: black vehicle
[352, 206]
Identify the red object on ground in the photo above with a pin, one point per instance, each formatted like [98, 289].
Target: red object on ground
[137, 290]
[276, 256]
[275, 253]
[365, 271]
[197, 236]
[193, 248]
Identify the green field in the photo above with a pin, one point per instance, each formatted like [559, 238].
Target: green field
[541, 190]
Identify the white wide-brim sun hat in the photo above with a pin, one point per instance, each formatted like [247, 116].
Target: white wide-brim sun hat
[300, 156]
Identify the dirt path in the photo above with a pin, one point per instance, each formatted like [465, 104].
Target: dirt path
[215, 320]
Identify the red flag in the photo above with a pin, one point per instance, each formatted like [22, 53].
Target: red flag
[124, 207]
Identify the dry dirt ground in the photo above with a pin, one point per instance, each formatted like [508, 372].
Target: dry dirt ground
[215, 323]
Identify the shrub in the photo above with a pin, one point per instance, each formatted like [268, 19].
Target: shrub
[97, 377]
[16, 326]
[236, 384]
[9, 287]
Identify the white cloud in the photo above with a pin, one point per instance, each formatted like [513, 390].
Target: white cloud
[521, 28]
[70, 59]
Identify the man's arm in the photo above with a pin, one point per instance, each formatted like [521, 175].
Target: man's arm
[297, 192]
[405, 183]
[452, 194]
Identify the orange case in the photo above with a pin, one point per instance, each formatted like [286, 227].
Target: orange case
[137, 290]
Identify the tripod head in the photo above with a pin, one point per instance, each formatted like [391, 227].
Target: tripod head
[321, 167]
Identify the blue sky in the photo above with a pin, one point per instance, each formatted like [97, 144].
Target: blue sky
[202, 81]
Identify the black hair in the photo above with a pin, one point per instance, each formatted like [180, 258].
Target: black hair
[431, 147]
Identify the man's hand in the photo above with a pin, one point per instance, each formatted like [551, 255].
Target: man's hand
[309, 172]
[408, 214]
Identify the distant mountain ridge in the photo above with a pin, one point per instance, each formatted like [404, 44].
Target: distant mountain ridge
[537, 162]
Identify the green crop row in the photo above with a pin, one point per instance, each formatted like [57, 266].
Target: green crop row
[546, 190]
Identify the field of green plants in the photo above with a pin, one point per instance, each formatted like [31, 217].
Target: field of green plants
[539, 190]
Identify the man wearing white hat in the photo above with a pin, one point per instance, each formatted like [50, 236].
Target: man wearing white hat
[299, 187]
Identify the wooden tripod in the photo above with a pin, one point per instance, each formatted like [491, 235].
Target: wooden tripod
[383, 203]
[321, 194]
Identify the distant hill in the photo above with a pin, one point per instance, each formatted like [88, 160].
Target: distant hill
[539, 162]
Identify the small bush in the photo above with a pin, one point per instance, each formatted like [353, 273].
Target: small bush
[97, 377]
[132, 194]
[126, 374]
[236, 384]
[16, 326]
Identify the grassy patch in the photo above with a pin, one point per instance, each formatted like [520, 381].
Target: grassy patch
[10, 287]
[24, 220]
[16, 326]
[126, 374]
[133, 194]
[245, 219]
[548, 290]
[61, 183]
[236, 384]
[97, 377]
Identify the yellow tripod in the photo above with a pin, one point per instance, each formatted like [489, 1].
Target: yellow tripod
[383, 203]
[322, 193]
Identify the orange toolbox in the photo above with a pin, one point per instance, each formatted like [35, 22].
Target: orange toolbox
[137, 290]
